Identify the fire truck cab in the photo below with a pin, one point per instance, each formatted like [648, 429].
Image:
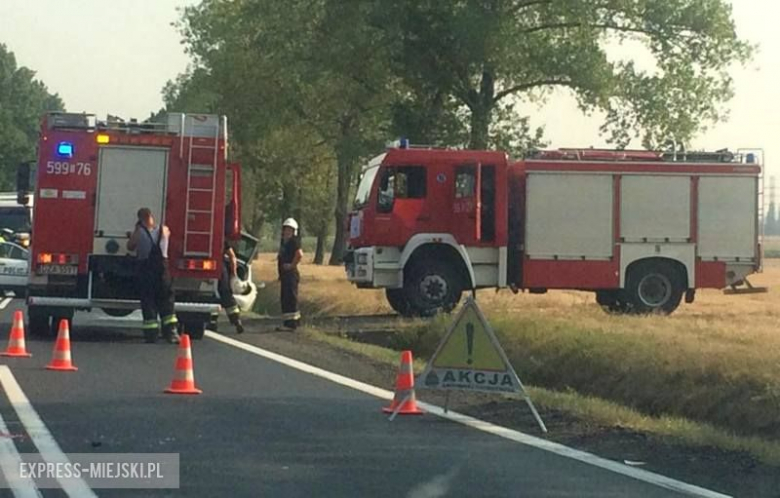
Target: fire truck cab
[641, 229]
[92, 177]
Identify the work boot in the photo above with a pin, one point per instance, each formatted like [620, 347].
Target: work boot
[172, 336]
[239, 327]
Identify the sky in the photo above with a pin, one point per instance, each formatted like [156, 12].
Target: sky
[115, 56]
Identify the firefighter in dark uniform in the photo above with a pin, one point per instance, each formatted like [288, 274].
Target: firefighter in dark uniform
[290, 255]
[226, 299]
[155, 286]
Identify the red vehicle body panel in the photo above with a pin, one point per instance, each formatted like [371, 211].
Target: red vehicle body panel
[66, 225]
[441, 213]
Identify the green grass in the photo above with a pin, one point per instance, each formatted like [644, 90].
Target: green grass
[715, 363]
[602, 412]
[649, 373]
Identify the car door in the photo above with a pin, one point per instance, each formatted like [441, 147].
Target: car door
[245, 250]
[14, 266]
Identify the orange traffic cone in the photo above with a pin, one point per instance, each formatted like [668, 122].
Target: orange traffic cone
[405, 401]
[60, 359]
[16, 346]
[183, 376]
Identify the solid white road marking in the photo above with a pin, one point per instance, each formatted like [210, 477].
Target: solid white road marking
[512, 435]
[47, 446]
[5, 302]
[10, 463]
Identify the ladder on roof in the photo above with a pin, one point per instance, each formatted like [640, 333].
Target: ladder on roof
[201, 188]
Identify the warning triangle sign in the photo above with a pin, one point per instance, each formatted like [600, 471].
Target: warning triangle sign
[469, 357]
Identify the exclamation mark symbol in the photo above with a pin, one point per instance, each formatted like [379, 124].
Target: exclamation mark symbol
[470, 342]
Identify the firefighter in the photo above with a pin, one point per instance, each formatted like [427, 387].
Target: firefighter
[290, 255]
[226, 299]
[150, 242]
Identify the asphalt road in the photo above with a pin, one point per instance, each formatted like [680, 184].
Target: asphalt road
[263, 429]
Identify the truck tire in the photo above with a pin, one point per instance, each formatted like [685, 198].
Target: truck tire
[55, 323]
[38, 322]
[654, 287]
[397, 300]
[193, 324]
[196, 330]
[116, 312]
[431, 286]
[612, 301]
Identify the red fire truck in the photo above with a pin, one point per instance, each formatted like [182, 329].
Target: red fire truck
[92, 176]
[641, 229]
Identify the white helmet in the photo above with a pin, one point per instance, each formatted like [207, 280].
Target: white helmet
[290, 222]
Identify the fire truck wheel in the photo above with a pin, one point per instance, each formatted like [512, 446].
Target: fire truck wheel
[38, 322]
[55, 324]
[195, 329]
[612, 301]
[116, 312]
[397, 300]
[431, 286]
[654, 287]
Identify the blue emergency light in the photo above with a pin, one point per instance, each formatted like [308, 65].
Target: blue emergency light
[65, 149]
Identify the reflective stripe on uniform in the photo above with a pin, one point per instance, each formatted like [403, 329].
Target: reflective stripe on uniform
[233, 310]
[292, 316]
[169, 320]
[150, 324]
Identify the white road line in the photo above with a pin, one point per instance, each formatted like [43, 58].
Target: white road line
[5, 302]
[47, 446]
[512, 435]
[10, 463]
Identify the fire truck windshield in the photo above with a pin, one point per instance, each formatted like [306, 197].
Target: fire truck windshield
[364, 188]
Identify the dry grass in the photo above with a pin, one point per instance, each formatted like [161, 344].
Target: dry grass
[772, 246]
[715, 361]
[602, 412]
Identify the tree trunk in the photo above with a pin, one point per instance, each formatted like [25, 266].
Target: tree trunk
[340, 213]
[319, 252]
[481, 106]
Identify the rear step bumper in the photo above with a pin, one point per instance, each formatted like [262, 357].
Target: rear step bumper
[125, 304]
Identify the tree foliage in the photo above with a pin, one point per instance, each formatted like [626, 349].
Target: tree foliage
[313, 66]
[314, 88]
[485, 52]
[23, 100]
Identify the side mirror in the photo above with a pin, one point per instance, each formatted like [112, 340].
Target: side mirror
[23, 183]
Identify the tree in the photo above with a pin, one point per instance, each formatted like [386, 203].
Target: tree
[485, 53]
[23, 100]
[317, 66]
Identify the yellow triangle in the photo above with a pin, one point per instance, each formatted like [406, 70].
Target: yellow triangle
[469, 345]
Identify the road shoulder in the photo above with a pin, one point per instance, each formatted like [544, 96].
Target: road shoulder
[729, 472]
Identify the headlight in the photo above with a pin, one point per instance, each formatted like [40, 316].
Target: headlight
[362, 259]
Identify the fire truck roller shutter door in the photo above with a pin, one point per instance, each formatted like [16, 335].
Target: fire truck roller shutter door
[129, 178]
